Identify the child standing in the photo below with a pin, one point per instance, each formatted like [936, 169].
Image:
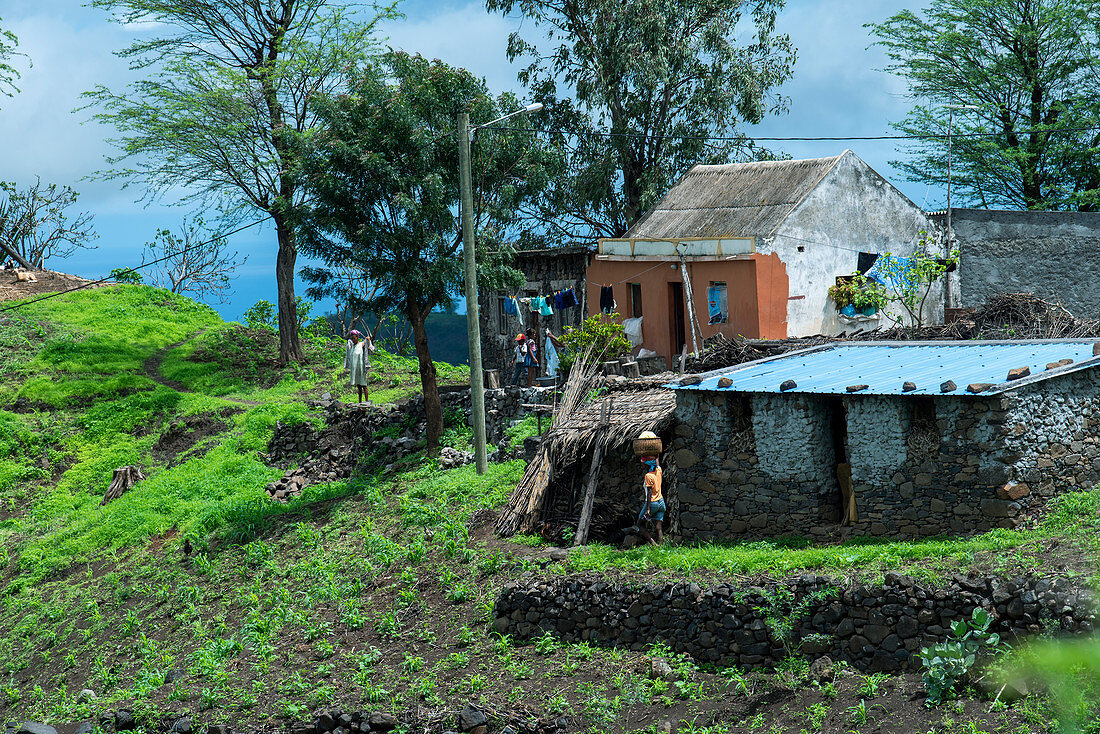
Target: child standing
[519, 358]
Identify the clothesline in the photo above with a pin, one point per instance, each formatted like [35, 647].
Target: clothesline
[631, 277]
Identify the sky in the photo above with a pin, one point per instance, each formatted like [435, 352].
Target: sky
[837, 89]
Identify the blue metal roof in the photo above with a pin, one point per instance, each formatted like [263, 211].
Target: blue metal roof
[885, 366]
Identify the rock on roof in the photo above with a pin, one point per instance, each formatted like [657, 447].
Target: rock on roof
[733, 200]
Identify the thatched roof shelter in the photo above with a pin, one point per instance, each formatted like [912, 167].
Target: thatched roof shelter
[600, 425]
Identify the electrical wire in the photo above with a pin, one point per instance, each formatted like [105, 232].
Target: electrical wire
[108, 279]
[797, 138]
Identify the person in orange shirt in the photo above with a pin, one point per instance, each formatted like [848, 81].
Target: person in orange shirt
[654, 504]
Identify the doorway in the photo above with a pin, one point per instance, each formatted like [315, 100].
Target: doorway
[678, 321]
[843, 509]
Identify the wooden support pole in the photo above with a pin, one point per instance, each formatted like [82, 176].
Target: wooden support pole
[589, 498]
[16, 256]
[689, 296]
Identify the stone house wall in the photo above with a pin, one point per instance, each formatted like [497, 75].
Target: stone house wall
[547, 271]
[874, 627]
[766, 464]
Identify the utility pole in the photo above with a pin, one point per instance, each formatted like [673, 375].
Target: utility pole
[950, 235]
[473, 325]
[473, 322]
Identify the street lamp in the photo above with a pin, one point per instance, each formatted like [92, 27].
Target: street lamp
[950, 236]
[473, 328]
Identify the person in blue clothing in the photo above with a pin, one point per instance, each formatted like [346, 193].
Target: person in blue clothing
[532, 357]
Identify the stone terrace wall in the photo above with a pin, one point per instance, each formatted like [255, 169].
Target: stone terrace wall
[874, 627]
[921, 466]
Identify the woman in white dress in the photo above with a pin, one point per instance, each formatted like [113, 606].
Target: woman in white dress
[357, 361]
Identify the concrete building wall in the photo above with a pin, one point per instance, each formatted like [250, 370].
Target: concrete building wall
[756, 289]
[1053, 255]
[853, 209]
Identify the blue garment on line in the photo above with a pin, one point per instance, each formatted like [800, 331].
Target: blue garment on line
[510, 307]
[893, 272]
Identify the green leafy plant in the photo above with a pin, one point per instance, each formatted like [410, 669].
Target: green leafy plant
[952, 663]
[128, 276]
[909, 280]
[601, 336]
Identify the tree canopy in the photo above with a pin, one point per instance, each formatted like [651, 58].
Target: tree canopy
[228, 84]
[660, 78]
[38, 223]
[8, 73]
[1030, 67]
[383, 180]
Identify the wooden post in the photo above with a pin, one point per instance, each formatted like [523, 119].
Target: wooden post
[593, 476]
[16, 256]
[492, 379]
[630, 369]
[689, 296]
[589, 498]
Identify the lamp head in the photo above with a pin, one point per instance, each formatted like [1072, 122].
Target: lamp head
[533, 107]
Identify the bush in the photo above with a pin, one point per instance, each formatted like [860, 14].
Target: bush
[125, 275]
[602, 336]
[951, 664]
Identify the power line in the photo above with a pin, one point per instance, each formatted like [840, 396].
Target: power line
[91, 283]
[807, 138]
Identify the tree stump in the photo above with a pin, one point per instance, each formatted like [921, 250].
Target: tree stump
[630, 369]
[123, 478]
[492, 379]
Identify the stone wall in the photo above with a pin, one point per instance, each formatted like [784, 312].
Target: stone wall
[546, 271]
[920, 466]
[874, 627]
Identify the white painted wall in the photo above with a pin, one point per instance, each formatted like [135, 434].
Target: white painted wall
[853, 209]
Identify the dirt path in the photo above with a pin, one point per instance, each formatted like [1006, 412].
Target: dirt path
[151, 369]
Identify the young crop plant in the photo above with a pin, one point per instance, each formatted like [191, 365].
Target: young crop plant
[870, 685]
[953, 663]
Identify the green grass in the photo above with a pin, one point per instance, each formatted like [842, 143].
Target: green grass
[1076, 513]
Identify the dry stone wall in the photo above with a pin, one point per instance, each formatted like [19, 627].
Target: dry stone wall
[877, 627]
[920, 466]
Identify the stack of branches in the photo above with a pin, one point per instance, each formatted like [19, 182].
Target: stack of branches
[587, 420]
[1004, 316]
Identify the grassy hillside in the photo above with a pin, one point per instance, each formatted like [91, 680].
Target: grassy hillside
[193, 593]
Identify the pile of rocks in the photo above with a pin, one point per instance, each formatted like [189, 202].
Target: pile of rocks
[343, 722]
[875, 628]
[449, 458]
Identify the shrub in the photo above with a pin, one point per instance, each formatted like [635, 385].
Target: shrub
[950, 664]
[601, 335]
[125, 275]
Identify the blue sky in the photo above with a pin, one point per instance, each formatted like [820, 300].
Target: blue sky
[837, 90]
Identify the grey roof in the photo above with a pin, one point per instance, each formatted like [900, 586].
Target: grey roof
[734, 199]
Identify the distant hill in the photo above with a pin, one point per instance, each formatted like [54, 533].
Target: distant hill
[446, 337]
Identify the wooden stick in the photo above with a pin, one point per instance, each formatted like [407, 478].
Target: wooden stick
[589, 498]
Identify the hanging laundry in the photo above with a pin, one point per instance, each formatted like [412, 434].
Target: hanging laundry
[716, 304]
[537, 303]
[510, 307]
[546, 309]
[557, 300]
[865, 261]
[552, 360]
[607, 298]
[569, 298]
[895, 272]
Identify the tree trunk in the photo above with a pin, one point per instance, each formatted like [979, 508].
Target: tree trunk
[433, 411]
[289, 349]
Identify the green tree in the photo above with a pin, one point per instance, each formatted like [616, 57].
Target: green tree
[1030, 67]
[228, 86]
[8, 73]
[662, 77]
[383, 180]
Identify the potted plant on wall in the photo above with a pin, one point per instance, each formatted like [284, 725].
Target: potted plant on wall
[844, 294]
[869, 298]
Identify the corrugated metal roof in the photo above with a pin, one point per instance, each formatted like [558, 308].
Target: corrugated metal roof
[733, 200]
[885, 366]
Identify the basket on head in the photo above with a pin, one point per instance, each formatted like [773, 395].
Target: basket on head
[648, 444]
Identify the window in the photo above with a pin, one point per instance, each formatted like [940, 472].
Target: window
[716, 303]
[635, 299]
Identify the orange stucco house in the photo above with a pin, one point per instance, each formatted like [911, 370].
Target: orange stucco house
[751, 249]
